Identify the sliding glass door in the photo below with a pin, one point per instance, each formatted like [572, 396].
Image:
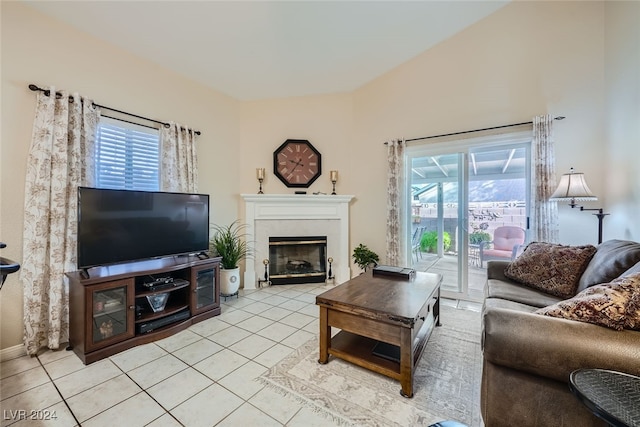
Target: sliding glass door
[462, 195]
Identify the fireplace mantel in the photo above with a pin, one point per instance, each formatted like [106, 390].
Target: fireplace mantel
[326, 213]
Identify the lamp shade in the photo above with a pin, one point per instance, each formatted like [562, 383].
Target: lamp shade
[573, 187]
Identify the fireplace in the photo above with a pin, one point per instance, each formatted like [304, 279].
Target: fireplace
[298, 259]
[290, 215]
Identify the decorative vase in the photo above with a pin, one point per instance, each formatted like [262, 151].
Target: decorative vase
[229, 281]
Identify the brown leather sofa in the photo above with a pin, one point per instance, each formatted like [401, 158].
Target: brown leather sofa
[527, 357]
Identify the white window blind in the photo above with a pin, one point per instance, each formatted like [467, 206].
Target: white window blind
[127, 156]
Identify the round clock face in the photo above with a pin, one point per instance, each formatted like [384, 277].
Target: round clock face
[297, 163]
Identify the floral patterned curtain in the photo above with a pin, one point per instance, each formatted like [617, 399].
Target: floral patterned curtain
[395, 189]
[179, 170]
[60, 159]
[544, 227]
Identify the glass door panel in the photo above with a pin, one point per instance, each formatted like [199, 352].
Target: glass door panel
[111, 319]
[498, 194]
[435, 200]
[458, 201]
[206, 291]
[205, 288]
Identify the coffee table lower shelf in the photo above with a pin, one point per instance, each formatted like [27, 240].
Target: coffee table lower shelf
[358, 350]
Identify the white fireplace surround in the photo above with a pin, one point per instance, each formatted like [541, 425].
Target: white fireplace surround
[289, 215]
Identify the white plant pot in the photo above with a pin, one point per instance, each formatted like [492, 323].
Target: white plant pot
[229, 281]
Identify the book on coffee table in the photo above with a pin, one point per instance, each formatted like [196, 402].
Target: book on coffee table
[389, 270]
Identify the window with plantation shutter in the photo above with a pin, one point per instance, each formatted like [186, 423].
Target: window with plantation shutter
[127, 156]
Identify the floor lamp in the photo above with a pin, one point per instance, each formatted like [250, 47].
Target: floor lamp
[574, 188]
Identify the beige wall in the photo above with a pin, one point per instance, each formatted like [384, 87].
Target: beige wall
[326, 121]
[622, 71]
[37, 49]
[528, 58]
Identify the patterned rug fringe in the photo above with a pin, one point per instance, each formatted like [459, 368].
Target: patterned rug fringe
[309, 404]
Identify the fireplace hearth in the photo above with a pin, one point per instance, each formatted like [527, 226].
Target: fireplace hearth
[298, 259]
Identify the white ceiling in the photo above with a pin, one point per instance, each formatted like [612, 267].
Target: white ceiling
[266, 49]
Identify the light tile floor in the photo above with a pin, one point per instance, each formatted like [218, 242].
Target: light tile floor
[203, 376]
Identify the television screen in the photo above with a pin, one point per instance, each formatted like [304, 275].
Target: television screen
[117, 226]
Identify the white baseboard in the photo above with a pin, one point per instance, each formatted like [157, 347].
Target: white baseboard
[12, 352]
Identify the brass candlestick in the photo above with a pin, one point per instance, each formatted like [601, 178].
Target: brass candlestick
[260, 175]
[334, 178]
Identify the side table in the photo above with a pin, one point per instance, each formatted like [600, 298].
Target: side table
[612, 396]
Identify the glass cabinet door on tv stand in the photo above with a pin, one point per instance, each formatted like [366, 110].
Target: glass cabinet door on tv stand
[205, 294]
[112, 314]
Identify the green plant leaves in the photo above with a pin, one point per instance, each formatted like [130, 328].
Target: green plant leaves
[364, 257]
[429, 241]
[229, 243]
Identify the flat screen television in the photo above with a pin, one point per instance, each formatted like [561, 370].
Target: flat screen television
[116, 226]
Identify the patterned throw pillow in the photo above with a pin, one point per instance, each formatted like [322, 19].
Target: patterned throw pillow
[551, 268]
[615, 305]
[632, 320]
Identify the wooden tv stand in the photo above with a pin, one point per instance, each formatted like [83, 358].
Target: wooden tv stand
[110, 307]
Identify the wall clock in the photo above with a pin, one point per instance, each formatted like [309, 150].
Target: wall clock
[297, 163]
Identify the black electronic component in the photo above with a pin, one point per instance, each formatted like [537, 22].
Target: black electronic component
[152, 325]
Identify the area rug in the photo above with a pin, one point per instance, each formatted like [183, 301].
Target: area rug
[446, 382]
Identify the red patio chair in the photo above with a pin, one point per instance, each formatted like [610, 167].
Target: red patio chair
[506, 242]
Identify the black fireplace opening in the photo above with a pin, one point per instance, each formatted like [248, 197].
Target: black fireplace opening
[295, 260]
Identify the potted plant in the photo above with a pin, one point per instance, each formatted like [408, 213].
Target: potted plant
[429, 241]
[478, 237]
[228, 242]
[364, 257]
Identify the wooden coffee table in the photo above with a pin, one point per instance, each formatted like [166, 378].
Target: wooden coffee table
[371, 310]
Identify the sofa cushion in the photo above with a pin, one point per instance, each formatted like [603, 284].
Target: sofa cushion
[517, 292]
[632, 270]
[495, 270]
[608, 304]
[552, 268]
[611, 259]
[490, 303]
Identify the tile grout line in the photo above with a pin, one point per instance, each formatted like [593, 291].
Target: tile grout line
[58, 390]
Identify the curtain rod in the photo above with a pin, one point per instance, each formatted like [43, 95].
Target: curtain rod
[475, 130]
[47, 93]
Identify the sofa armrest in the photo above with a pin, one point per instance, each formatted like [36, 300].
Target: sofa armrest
[553, 348]
[495, 270]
